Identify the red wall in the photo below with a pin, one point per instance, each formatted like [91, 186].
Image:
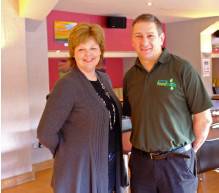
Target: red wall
[53, 72]
[116, 39]
[114, 68]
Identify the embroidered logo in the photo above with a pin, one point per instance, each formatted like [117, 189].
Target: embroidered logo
[171, 84]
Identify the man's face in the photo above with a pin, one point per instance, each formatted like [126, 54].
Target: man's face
[146, 41]
[64, 65]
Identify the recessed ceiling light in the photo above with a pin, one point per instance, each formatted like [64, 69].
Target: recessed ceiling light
[149, 3]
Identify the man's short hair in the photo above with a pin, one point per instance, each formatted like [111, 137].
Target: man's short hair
[149, 18]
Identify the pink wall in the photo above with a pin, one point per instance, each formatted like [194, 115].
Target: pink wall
[116, 39]
[114, 68]
[53, 72]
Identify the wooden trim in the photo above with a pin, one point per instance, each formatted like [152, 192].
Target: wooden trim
[43, 165]
[16, 180]
[215, 55]
[26, 177]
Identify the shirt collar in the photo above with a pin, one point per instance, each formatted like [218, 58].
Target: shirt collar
[162, 59]
[164, 56]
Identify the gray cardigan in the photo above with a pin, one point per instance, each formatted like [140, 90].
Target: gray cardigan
[75, 126]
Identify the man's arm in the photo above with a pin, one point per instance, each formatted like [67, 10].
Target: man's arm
[201, 124]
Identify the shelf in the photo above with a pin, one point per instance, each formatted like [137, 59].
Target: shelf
[120, 54]
[107, 54]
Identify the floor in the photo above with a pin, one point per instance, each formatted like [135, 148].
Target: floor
[209, 184]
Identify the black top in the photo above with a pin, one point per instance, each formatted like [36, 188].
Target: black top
[113, 113]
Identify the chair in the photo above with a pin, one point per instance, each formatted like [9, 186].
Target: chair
[208, 156]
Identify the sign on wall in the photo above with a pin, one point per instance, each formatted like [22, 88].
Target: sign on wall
[62, 29]
[206, 67]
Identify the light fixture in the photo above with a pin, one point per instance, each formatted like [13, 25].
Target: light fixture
[149, 3]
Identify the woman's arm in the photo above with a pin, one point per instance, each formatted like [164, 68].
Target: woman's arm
[58, 107]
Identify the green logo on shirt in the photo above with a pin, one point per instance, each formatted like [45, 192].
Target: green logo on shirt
[167, 83]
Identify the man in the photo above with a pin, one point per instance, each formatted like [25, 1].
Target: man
[64, 67]
[170, 114]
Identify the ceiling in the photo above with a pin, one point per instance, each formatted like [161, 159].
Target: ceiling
[166, 10]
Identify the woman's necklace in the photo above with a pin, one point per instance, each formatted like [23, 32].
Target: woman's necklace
[113, 116]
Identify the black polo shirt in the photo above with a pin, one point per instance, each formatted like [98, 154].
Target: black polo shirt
[161, 103]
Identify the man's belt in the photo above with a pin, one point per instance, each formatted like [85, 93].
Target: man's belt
[158, 155]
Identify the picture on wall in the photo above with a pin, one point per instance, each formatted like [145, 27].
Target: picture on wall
[62, 29]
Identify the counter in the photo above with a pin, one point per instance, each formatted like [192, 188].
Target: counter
[215, 97]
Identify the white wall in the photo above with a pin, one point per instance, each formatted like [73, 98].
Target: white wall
[16, 136]
[38, 79]
[183, 39]
[37, 60]
[25, 84]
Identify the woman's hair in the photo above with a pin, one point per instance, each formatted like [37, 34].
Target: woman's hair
[81, 33]
[149, 18]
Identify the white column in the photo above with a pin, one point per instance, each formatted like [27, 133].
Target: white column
[38, 79]
[16, 135]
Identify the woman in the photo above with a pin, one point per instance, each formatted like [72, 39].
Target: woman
[81, 123]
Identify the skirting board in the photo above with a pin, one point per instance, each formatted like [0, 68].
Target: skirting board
[43, 165]
[16, 180]
[26, 177]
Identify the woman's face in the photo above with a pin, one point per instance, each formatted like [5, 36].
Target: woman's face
[87, 55]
